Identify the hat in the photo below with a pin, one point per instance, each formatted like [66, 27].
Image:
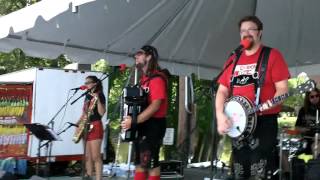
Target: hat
[150, 50]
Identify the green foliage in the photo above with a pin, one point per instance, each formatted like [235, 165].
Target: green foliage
[101, 65]
[17, 60]
[8, 6]
[117, 83]
[297, 99]
[171, 152]
[204, 111]
[202, 95]
[203, 100]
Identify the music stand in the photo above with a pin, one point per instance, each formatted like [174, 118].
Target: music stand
[43, 133]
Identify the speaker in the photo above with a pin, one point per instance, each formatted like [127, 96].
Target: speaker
[171, 168]
[298, 169]
[6, 176]
[312, 170]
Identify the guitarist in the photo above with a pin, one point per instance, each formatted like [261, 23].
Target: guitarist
[253, 157]
[151, 122]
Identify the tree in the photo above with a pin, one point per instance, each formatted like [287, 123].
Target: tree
[17, 60]
[7, 7]
[296, 100]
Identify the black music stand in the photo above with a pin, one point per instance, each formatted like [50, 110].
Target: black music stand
[43, 133]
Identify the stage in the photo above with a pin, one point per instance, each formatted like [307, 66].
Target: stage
[189, 174]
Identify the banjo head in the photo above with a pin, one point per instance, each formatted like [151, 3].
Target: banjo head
[236, 110]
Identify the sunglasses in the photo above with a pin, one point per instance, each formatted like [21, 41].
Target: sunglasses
[314, 96]
[89, 82]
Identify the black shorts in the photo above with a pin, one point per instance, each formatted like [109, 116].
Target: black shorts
[147, 146]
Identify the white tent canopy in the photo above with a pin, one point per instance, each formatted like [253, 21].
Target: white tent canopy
[192, 36]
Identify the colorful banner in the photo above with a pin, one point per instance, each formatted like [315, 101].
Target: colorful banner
[15, 110]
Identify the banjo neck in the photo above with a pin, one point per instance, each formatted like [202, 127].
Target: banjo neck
[274, 100]
[302, 88]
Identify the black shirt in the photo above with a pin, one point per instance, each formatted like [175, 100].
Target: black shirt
[94, 116]
[307, 119]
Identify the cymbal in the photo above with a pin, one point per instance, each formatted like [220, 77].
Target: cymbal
[310, 137]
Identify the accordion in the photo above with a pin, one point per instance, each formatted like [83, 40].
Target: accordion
[133, 102]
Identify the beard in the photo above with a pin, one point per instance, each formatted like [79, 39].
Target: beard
[141, 66]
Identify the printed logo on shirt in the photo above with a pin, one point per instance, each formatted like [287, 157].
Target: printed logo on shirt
[244, 74]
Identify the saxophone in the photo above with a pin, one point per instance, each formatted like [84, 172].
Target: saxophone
[84, 120]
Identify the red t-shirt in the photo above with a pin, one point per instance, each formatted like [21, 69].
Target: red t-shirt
[277, 70]
[157, 90]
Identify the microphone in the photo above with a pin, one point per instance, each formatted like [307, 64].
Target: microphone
[122, 67]
[72, 124]
[83, 87]
[244, 44]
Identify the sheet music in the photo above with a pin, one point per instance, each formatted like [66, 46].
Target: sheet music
[53, 134]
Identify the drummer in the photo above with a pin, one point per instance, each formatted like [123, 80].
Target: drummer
[306, 121]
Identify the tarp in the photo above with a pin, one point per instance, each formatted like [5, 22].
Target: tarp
[192, 36]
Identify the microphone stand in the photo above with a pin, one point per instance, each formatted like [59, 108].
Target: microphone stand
[134, 119]
[119, 106]
[214, 89]
[64, 130]
[236, 58]
[48, 144]
[64, 105]
[214, 158]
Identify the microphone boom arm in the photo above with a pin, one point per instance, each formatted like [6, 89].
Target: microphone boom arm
[64, 105]
[85, 93]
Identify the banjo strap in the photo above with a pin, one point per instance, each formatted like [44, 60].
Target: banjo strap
[262, 64]
[259, 77]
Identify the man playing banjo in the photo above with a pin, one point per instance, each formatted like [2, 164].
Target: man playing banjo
[254, 75]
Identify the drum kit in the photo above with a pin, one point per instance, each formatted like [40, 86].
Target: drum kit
[292, 143]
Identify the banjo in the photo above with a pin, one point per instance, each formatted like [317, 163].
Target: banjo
[242, 112]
